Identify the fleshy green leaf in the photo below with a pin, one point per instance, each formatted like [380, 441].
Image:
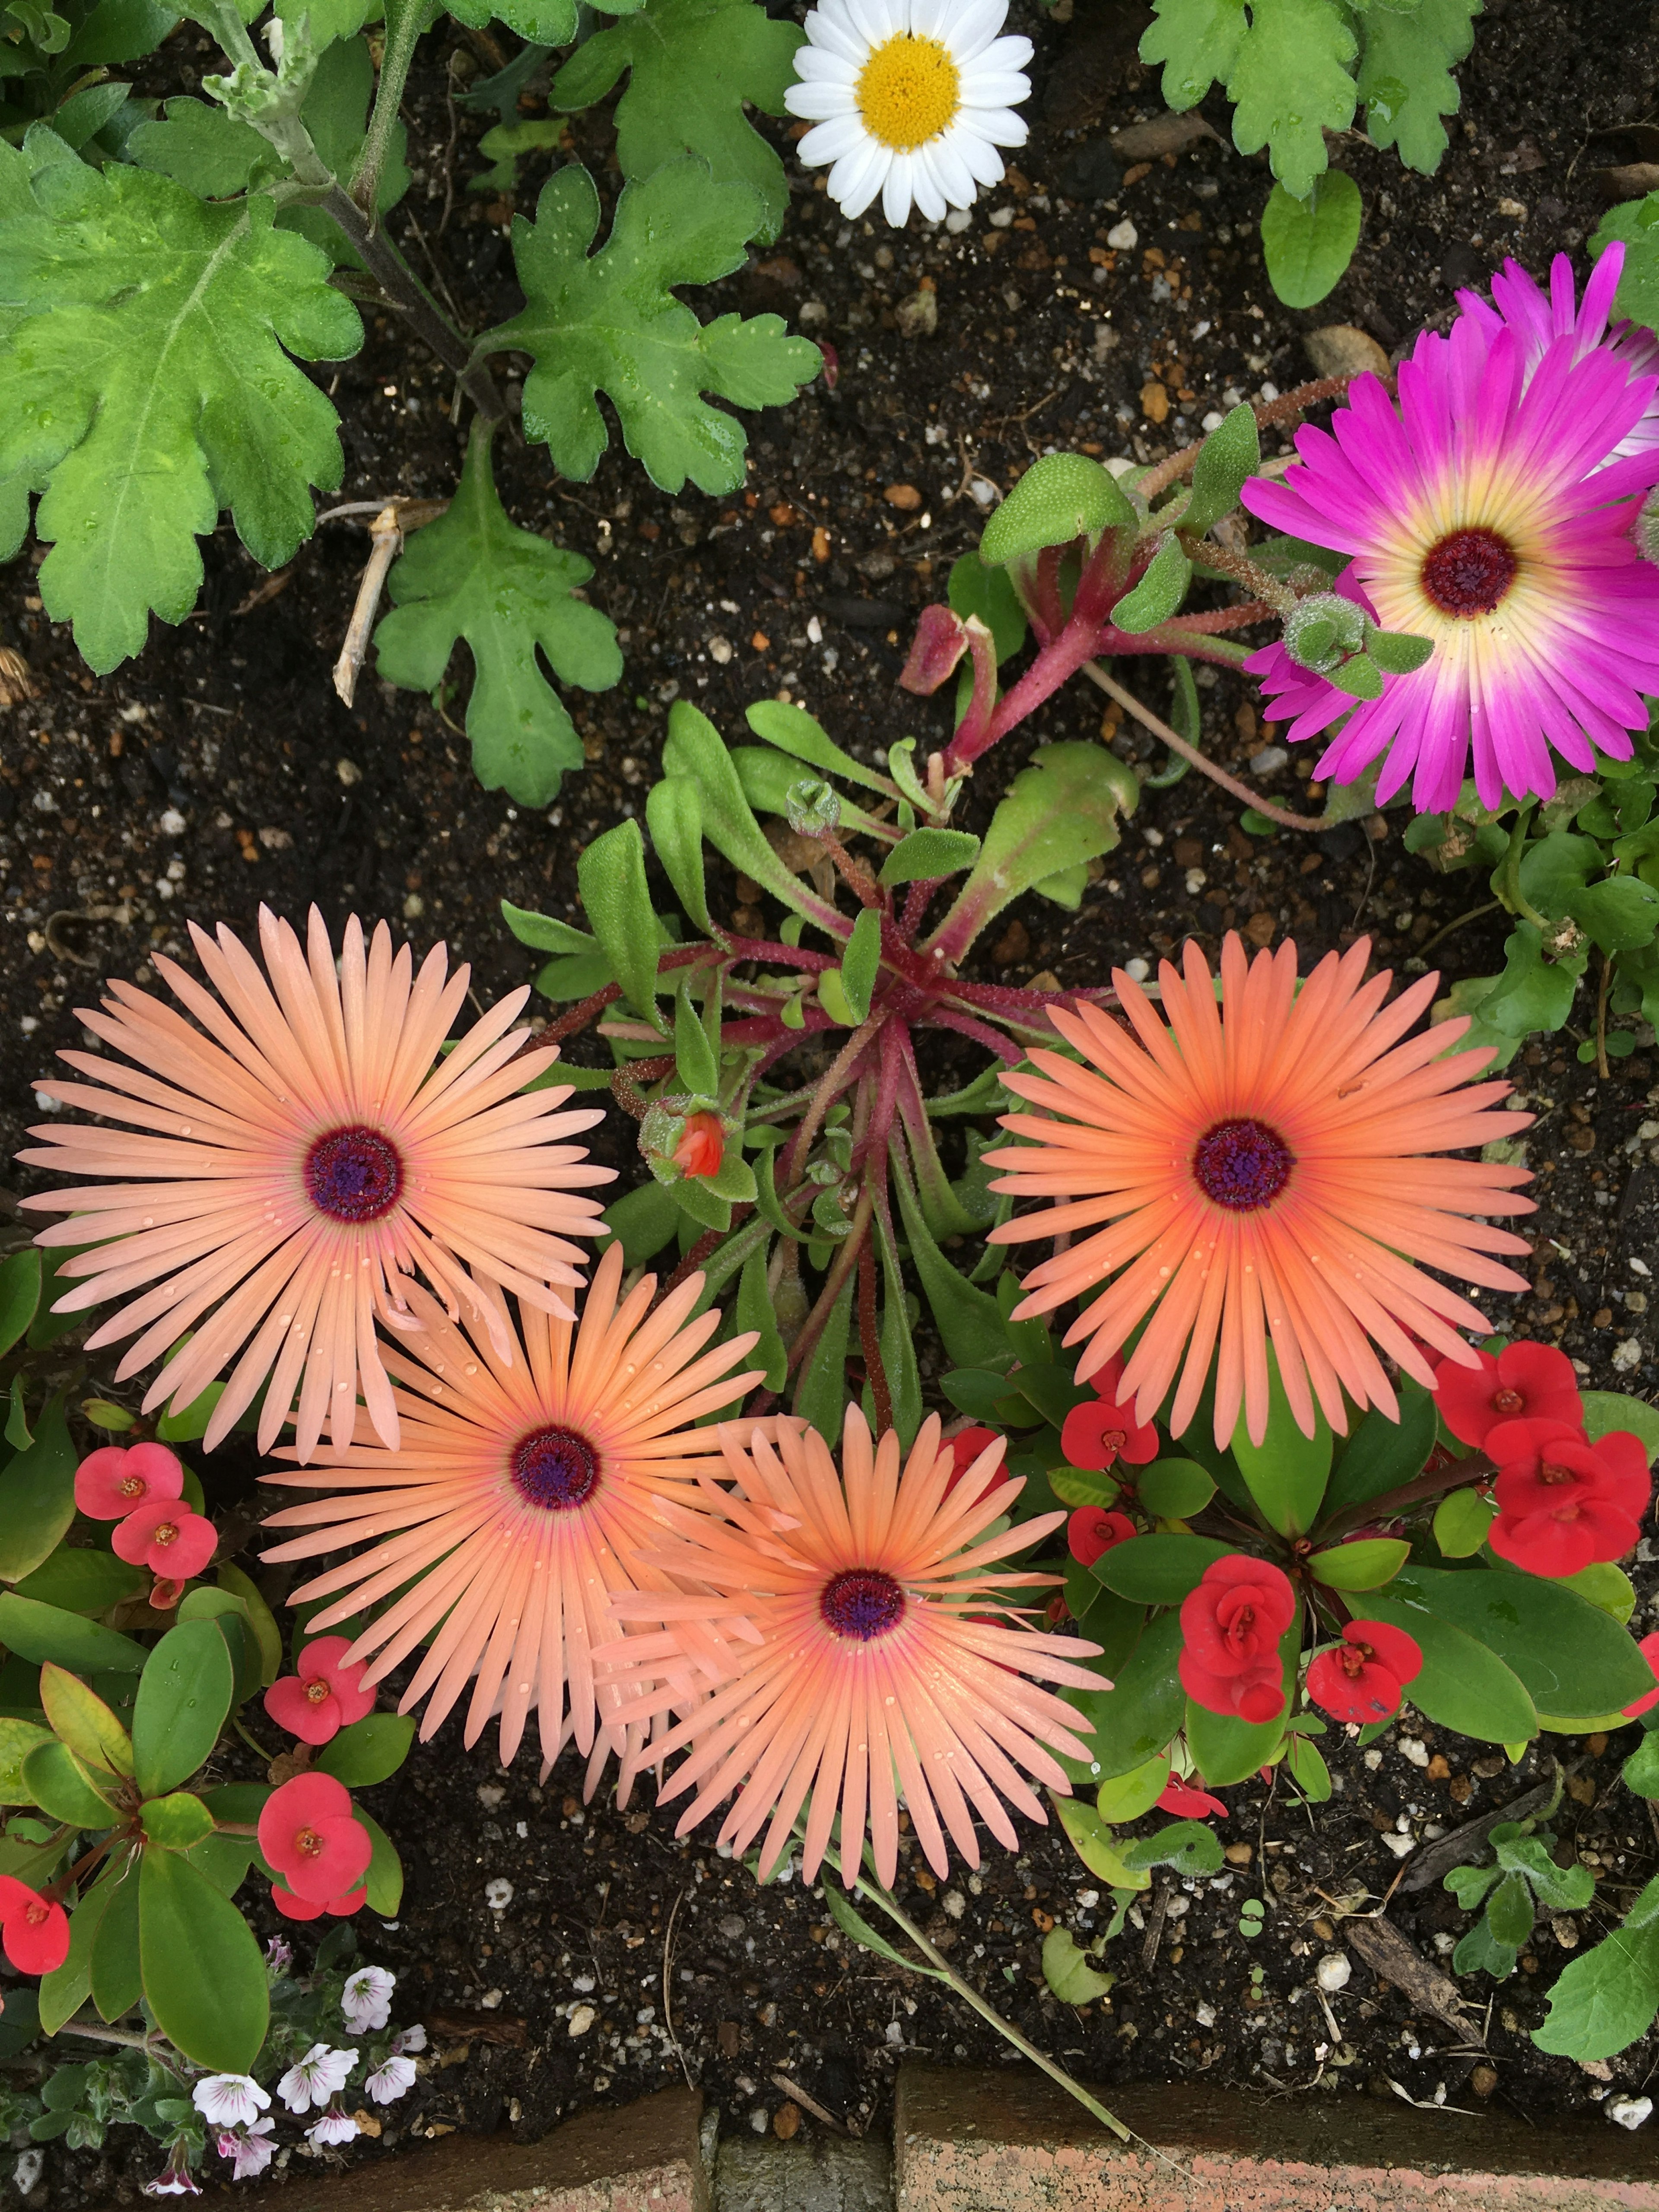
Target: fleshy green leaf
[40, 1632]
[1067, 1969]
[370, 1750]
[1637, 223]
[1095, 1845]
[1571, 1657]
[474, 575]
[1138, 1716]
[37, 1495]
[1291, 83]
[1159, 592]
[1286, 1472]
[693, 64]
[1174, 1489]
[611, 876]
[1607, 1410]
[65, 1788]
[1380, 1454]
[1462, 1522]
[608, 322]
[821, 1392]
[673, 815]
[145, 373]
[927, 853]
[205, 1977]
[178, 1820]
[756, 1310]
[1406, 83]
[20, 1294]
[117, 1972]
[18, 1739]
[385, 1879]
[184, 1695]
[1065, 806]
[1061, 497]
[1125, 1797]
[977, 588]
[82, 1721]
[1463, 1684]
[1365, 1564]
[1231, 454]
[1308, 243]
[1187, 1845]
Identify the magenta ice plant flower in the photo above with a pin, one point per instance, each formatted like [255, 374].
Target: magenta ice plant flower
[1520, 304]
[1487, 512]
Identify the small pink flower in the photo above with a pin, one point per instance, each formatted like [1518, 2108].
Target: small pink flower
[166, 1537]
[110, 1483]
[309, 1837]
[323, 1697]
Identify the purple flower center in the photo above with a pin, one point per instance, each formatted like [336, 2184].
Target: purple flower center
[1242, 1164]
[862, 1602]
[354, 1175]
[1468, 572]
[555, 1469]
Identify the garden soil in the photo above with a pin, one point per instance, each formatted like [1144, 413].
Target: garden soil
[219, 770]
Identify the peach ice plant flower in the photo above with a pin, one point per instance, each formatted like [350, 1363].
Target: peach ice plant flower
[1262, 1171]
[301, 1160]
[844, 1664]
[521, 1497]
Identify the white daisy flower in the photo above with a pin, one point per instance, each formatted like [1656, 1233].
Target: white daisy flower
[911, 99]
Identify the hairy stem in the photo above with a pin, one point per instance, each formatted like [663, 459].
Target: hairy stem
[840, 1267]
[1278, 598]
[402, 24]
[831, 1083]
[870, 1341]
[1177, 743]
[1284, 409]
[412, 300]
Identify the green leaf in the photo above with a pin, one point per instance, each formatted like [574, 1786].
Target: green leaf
[645, 1219]
[1510, 1912]
[1382, 1454]
[1159, 592]
[190, 1423]
[610, 323]
[1463, 1684]
[178, 1820]
[1231, 454]
[541, 933]
[80, 1719]
[1072, 1486]
[474, 575]
[756, 1310]
[1286, 1472]
[695, 1068]
[37, 1495]
[1364, 1565]
[610, 873]
[1065, 807]
[1397, 652]
[18, 1738]
[852, 1923]
[1620, 915]
[1135, 1719]
[1571, 1657]
[370, 1750]
[695, 749]
[1637, 223]
[117, 1974]
[184, 1695]
[19, 1295]
[1061, 497]
[385, 1879]
[1532, 993]
[201, 147]
[927, 853]
[794, 731]
[1095, 1845]
[976, 588]
[58, 1783]
[1308, 1770]
[1067, 1970]
[694, 64]
[1462, 1522]
[1559, 1889]
[821, 1391]
[1606, 1998]
[335, 113]
[1125, 1797]
[40, 1632]
[1187, 1845]
[1469, 1884]
[673, 815]
[969, 1320]
[860, 963]
[1640, 1772]
[1159, 1569]
[1174, 1489]
[119, 31]
[267, 1636]
[1406, 83]
[144, 374]
[1607, 1588]
[205, 1977]
[1481, 1952]
[1308, 243]
[1197, 41]
[1607, 1410]
[64, 1990]
[1291, 84]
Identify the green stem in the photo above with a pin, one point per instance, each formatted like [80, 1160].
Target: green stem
[1476, 1468]
[1177, 743]
[404, 23]
[1506, 877]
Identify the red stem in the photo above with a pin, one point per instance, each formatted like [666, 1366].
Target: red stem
[869, 1342]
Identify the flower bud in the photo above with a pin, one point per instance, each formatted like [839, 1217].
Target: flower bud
[941, 640]
[1321, 631]
[702, 1146]
[813, 806]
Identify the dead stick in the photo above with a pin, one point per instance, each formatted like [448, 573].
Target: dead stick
[390, 526]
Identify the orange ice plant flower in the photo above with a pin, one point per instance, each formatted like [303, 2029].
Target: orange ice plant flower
[519, 1500]
[303, 1159]
[843, 1658]
[1261, 1170]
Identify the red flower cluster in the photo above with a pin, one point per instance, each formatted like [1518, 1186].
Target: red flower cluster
[34, 1931]
[1361, 1678]
[317, 1701]
[1099, 1435]
[1232, 1623]
[1092, 1532]
[965, 1448]
[309, 1835]
[1563, 1502]
[140, 1486]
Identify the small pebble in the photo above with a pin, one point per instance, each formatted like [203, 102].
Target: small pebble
[1124, 235]
[757, 2120]
[348, 771]
[958, 220]
[1627, 1356]
[1270, 758]
[1333, 1971]
[581, 2019]
[498, 1894]
[785, 2121]
[1628, 2111]
[491, 2000]
[1137, 970]
[171, 823]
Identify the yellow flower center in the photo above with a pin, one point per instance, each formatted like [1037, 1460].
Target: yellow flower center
[909, 91]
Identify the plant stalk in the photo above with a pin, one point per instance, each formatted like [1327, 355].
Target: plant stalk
[1177, 743]
[402, 23]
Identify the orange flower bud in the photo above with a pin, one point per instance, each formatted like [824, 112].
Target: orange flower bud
[703, 1146]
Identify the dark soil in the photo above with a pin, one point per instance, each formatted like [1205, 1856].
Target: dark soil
[219, 770]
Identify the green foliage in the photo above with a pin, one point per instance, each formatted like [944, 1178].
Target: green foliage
[144, 381]
[1059, 497]
[1406, 83]
[1523, 1877]
[1308, 243]
[475, 576]
[1636, 223]
[1607, 1997]
[608, 322]
[693, 65]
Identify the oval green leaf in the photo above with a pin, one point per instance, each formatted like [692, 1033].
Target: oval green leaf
[368, 1751]
[117, 1975]
[1174, 1489]
[1136, 1718]
[1365, 1564]
[1607, 1410]
[20, 1294]
[1126, 1797]
[1062, 497]
[1158, 1569]
[385, 1869]
[40, 1632]
[1571, 1657]
[84, 1722]
[927, 853]
[1287, 1473]
[184, 1695]
[37, 1495]
[178, 1820]
[58, 1785]
[1308, 244]
[1463, 1684]
[18, 1738]
[1082, 1485]
[1095, 1845]
[204, 1975]
[1067, 1970]
[83, 1581]
[1462, 1524]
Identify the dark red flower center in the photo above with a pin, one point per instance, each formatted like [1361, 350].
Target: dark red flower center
[1115, 1439]
[1507, 1401]
[1551, 1471]
[1468, 572]
[861, 1601]
[354, 1175]
[1242, 1164]
[36, 1911]
[555, 1469]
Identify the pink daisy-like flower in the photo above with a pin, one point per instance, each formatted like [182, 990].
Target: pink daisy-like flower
[855, 1667]
[304, 1159]
[1486, 513]
[518, 1501]
[1521, 303]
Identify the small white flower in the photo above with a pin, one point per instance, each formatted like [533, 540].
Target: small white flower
[910, 99]
[366, 1999]
[229, 2100]
[334, 2127]
[315, 2078]
[251, 2152]
[409, 2038]
[175, 2182]
[392, 2079]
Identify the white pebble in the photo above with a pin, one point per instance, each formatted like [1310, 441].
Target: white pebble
[1400, 1845]
[171, 823]
[953, 1904]
[1001, 218]
[1124, 235]
[490, 1794]
[1137, 970]
[498, 1894]
[581, 2019]
[1269, 758]
[719, 649]
[1415, 1749]
[1627, 1356]
[348, 771]
[491, 2000]
[1333, 1971]
[1204, 2015]
[757, 2119]
[1373, 1758]
[958, 220]
[1628, 2111]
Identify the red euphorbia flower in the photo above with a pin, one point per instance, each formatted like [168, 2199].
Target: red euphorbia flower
[304, 1908]
[165, 1593]
[166, 1537]
[1092, 1532]
[1524, 1382]
[323, 1697]
[307, 1833]
[964, 1449]
[702, 1146]
[1099, 1435]
[113, 1482]
[35, 1930]
[1189, 1804]
[1649, 1647]
[1232, 1623]
[1361, 1678]
[1563, 1502]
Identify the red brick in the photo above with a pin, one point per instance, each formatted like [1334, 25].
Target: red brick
[967, 2141]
